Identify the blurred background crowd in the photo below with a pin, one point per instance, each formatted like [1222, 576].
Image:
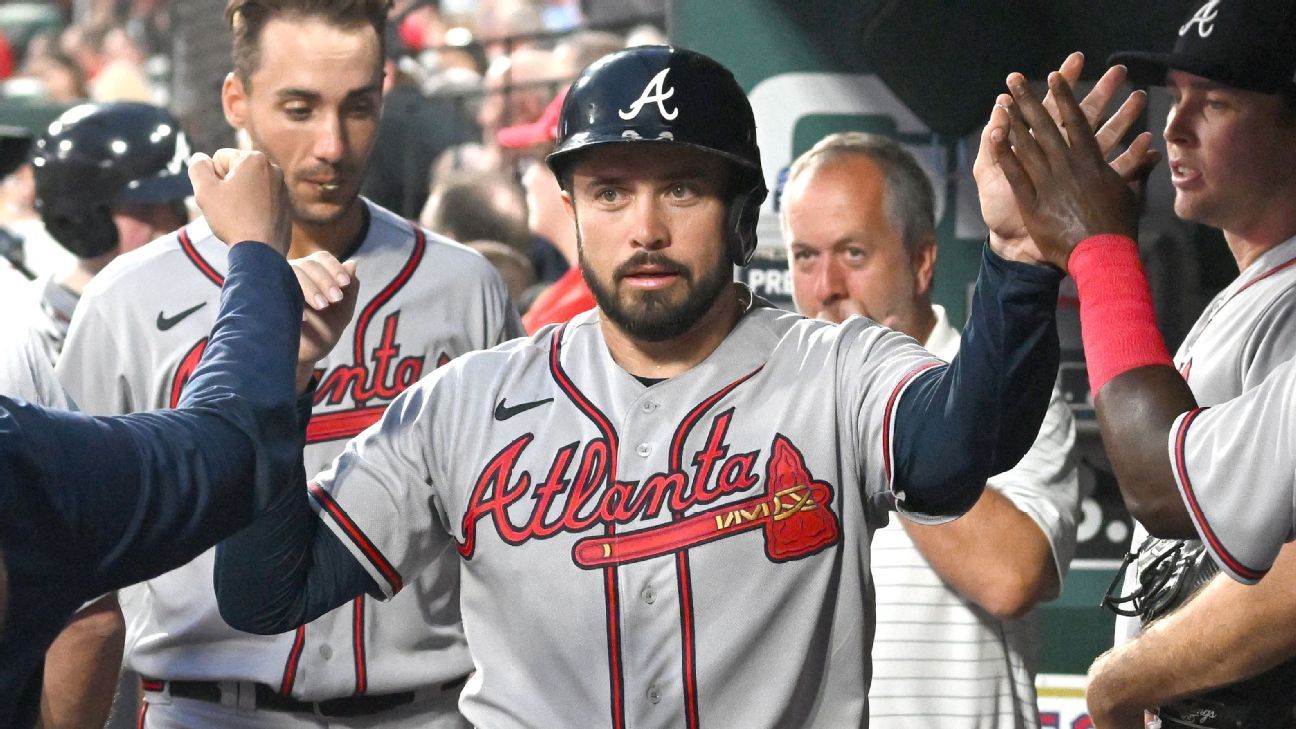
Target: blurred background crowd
[472, 94]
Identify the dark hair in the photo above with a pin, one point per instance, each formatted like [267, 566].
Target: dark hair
[247, 18]
[479, 206]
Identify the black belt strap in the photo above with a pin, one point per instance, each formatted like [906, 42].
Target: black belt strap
[271, 700]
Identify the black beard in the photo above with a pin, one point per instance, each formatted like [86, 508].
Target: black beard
[653, 318]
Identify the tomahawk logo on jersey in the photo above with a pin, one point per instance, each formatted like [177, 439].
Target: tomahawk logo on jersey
[641, 503]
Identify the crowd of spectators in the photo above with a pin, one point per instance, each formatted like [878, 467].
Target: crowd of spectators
[462, 137]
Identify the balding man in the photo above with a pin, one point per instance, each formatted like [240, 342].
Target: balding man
[955, 601]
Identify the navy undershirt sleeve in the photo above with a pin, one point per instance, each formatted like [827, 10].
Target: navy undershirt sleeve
[286, 569]
[956, 426]
[137, 495]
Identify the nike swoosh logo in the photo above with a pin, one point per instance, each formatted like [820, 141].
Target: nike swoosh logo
[504, 412]
[165, 322]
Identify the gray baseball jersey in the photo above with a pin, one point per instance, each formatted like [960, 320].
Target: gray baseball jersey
[25, 370]
[1244, 333]
[11, 282]
[940, 660]
[1248, 441]
[744, 493]
[47, 308]
[137, 336]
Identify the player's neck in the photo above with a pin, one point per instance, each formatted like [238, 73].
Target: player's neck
[338, 237]
[661, 360]
[1266, 228]
[1246, 248]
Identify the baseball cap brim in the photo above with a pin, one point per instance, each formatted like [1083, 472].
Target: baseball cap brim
[1145, 69]
[1150, 69]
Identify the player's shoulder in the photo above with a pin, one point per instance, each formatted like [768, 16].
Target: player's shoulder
[160, 264]
[797, 333]
[522, 353]
[478, 374]
[441, 256]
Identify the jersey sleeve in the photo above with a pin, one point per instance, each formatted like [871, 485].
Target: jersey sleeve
[1234, 467]
[92, 355]
[1045, 484]
[25, 369]
[952, 427]
[1271, 342]
[377, 497]
[508, 323]
[138, 495]
[877, 367]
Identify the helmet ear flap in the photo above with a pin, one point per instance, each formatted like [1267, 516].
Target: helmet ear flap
[89, 234]
[740, 224]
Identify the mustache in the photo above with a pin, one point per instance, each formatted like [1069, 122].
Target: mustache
[318, 171]
[650, 258]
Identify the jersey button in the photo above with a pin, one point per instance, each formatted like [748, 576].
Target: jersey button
[648, 595]
[649, 406]
[654, 695]
[643, 450]
[326, 652]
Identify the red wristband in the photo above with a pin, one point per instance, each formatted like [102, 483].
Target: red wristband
[1117, 322]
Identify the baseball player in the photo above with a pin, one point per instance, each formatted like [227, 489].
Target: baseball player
[664, 507]
[307, 90]
[109, 178]
[1139, 393]
[1231, 140]
[74, 487]
[956, 640]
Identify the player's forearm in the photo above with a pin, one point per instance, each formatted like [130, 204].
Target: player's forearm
[197, 471]
[285, 570]
[81, 668]
[1249, 633]
[1137, 391]
[961, 424]
[996, 556]
[248, 371]
[1135, 413]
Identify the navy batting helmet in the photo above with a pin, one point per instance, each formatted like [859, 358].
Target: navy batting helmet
[96, 156]
[665, 95]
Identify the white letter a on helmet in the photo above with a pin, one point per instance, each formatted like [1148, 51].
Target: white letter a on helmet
[653, 93]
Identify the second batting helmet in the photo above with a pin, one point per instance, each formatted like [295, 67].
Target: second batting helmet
[95, 156]
[665, 95]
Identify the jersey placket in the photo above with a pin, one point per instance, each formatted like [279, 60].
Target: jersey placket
[654, 657]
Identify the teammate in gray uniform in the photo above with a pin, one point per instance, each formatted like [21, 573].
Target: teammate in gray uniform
[1231, 140]
[663, 507]
[109, 178]
[1143, 402]
[956, 643]
[307, 90]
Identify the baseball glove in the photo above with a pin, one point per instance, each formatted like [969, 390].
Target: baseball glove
[1170, 574]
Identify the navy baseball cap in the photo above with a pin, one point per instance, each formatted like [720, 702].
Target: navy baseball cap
[1246, 44]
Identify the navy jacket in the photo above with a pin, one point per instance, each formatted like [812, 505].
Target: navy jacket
[88, 505]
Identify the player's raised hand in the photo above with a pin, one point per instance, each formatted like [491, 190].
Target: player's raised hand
[330, 288]
[243, 197]
[1008, 235]
[1063, 186]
